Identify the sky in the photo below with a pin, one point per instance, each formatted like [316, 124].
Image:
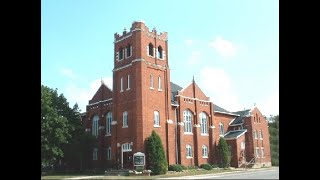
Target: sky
[230, 47]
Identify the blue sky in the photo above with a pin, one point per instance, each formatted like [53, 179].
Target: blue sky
[231, 47]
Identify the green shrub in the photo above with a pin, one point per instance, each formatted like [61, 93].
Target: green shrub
[175, 167]
[183, 167]
[206, 166]
[214, 165]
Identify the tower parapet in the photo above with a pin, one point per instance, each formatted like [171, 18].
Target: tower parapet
[140, 26]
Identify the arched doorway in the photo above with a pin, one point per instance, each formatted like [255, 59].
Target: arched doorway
[126, 156]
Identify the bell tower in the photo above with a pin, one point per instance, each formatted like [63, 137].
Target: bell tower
[141, 90]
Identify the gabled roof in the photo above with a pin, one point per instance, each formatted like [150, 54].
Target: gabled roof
[175, 87]
[220, 109]
[234, 134]
[174, 91]
[103, 93]
[237, 121]
[243, 113]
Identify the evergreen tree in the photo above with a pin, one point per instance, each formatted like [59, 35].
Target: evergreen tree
[156, 159]
[225, 153]
[274, 140]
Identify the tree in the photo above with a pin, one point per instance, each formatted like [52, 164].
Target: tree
[54, 128]
[225, 153]
[62, 135]
[156, 159]
[274, 140]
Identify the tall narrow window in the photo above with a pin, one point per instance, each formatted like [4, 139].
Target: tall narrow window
[128, 50]
[121, 52]
[128, 85]
[243, 145]
[95, 154]
[150, 49]
[203, 123]
[187, 121]
[109, 153]
[261, 136]
[125, 119]
[151, 81]
[160, 54]
[95, 125]
[255, 134]
[121, 84]
[189, 151]
[156, 118]
[257, 152]
[159, 83]
[204, 151]
[262, 152]
[221, 129]
[109, 121]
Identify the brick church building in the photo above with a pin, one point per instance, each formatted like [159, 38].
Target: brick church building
[144, 99]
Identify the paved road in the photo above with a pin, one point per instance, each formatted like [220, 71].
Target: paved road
[250, 174]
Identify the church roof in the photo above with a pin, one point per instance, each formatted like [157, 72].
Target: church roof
[243, 113]
[237, 121]
[234, 134]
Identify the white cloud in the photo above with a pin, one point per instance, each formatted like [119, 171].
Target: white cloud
[270, 105]
[224, 47]
[83, 95]
[188, 42]
[216, 84]
[68, 73]
[194, 58]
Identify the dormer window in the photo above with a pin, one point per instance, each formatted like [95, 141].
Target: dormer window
[160, 53]
[150, 49]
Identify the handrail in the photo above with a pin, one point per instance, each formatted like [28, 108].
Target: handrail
[250, 162]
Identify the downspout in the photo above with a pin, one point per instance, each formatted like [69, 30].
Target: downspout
[176, 134]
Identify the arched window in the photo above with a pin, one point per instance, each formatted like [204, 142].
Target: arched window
[126, 147]
[156, 117]
[187, 118]
[128, 50]
[125, 119]
[203, 123]
[204, 151]
[95, 125]
[159, 83]
[151, 81]
[121, 53]
[221, 127]
[189, 150]
[108, 123]
[150, 49]
[109, 153]
[160, 53]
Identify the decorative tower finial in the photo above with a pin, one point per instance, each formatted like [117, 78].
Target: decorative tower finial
[193, 79]
[254, 104]
[102, 82]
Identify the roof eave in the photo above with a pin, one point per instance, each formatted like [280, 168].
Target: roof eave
[226, 113]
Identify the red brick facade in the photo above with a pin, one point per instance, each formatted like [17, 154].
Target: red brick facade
[187, 117]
